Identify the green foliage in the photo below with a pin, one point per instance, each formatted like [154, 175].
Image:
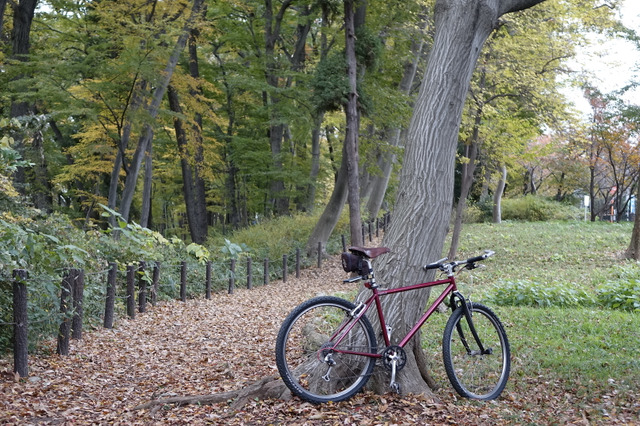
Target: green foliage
[622, 290]
[620, 295]
[274, 238]
[46, 246]
[368, 47]
[532, 208]
[233, 251]
[528, 293]
[10, 159]
[330, 83]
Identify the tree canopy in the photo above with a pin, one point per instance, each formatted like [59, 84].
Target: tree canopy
[251, 122]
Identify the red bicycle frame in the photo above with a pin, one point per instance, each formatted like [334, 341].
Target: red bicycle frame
[363, 307]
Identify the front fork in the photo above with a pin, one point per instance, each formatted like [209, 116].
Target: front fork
[458, 300]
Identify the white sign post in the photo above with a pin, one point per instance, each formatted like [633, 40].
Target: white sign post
[587, 202]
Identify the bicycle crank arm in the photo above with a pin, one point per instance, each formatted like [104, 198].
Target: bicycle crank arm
[327, 377]
[395, 386]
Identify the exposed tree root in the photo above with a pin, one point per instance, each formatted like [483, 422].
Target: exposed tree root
[269, 387]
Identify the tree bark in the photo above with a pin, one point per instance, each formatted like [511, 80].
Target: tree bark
[276, 127]
[145, 214]
[191, 155]
[423, 205]
[332, 210]
[315, 161]
[152, 110]
[3, 6]
[468, 170]
[318, 117]
[192, 184]
[633, 251]
[497, 196]
[23, 12]
[380, 183]
[351, 136]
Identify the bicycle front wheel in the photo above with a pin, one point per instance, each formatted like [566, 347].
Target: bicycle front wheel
[477, 372]
[320, 350]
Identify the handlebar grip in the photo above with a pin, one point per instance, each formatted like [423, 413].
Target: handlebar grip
[486, 254]
[431, 266]
[434, 265]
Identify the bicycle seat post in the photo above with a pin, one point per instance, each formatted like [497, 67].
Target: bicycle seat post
[370, 275]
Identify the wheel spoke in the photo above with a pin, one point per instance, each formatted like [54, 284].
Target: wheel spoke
[473, 372]
[315, 367]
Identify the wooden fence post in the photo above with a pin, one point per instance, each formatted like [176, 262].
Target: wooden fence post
[154, 287]
[142, 285]
[111, 295]
[207, 283]
[319, 254]
[370, 235]
[232, 276]
[344, 243]
[65, 326]
[131, 298]
[284, 268]
[183, 281]
[249, 274]
[20, 323]
[266, 271]
[298, 262]
[77, 278]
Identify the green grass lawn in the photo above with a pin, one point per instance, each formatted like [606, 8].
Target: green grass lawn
[589, 352]
[581, 253]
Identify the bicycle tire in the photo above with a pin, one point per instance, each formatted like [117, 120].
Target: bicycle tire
[472, 374]
[300, 354]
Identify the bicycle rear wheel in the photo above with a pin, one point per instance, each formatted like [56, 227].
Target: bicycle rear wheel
[475, 373]
[316, 360]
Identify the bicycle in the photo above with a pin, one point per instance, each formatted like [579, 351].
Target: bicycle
[326, 348]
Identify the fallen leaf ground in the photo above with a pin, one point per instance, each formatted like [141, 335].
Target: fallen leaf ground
[210, 346]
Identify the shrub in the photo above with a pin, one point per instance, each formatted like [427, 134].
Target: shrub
[274, 238]
[533, 208]
[528, 293]
[623, 292]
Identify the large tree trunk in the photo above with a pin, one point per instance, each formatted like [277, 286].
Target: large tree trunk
[23, 12]
[331, 213]
[351, 136]
[347, 178]
[152, 111]
[423, 206]
[192, 183]
[276, 128]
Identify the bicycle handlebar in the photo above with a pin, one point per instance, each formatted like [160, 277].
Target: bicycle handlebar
[442, 263]
[487, 253]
